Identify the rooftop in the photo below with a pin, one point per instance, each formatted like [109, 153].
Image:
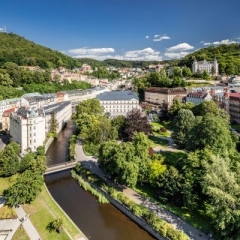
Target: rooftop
[166, 90]
[117, 95]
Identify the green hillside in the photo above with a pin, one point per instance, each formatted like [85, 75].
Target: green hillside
[17, 49]
[228, 57]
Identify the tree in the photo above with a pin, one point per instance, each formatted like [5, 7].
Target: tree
[182, 124]
[9, 161]
[210, 132]
[56, 225]
[135, 122]
[186, 72]
[156, 168]
[25, 190]
[53, 123]
[5, 80]
[222, 187]
[170, 186]
[90, 107]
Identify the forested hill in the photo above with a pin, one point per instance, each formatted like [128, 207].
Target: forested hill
[228, 57]
[17, 49]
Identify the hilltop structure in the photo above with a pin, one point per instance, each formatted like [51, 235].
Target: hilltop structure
[201, 66]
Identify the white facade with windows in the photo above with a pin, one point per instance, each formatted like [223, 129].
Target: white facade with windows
[201, 66]
[117, 103]
[27, 128]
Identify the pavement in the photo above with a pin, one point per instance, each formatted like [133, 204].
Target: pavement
[8, 227]
[90, 162]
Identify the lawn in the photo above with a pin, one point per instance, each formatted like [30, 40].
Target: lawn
[6, 183]
[195, 218]
[20, 234]
[44, 210]
[156, 130]
[158, 141]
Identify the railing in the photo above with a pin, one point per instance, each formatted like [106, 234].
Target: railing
[60, 167]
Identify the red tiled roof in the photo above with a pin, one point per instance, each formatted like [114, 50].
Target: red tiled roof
[7, 112]
[236, 95]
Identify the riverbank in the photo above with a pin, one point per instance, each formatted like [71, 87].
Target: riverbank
[44, 210]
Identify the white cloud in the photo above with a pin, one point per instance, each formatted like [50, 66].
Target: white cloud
[180, 47]
[89, 51]
[207, 43]
[176, 54]
[147, 37]
[202, 42]
[158, 39]
[156, 36]
[147, 54]
[226, 41]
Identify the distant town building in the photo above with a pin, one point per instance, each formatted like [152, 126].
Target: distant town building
[159, 96]
[232, 106]
[209, 66]
[117, 103]
[31, 68]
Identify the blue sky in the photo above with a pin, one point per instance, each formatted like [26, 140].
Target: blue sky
[124, 29]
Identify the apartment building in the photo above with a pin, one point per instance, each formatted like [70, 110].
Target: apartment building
[117, 103]
[159, 96]
[234, 107]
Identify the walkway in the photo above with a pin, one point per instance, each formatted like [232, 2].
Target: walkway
[8, 227]
[90, 162]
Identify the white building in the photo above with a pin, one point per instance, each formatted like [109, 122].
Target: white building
[7, 104]
[29, 126]
[117, 103]
[210, 67]
[63, 111]
[198, 97]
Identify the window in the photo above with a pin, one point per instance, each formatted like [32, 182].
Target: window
[30, 141]
[34, 140]
[34, 134]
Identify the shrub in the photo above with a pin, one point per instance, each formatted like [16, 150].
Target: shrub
[163, 129]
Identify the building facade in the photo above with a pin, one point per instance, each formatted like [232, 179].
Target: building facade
[233, 106]
[118, 103]
[27, 128]
[209, 66]
[198, 97]
[159, 96]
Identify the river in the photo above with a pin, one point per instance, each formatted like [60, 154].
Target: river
[97, 221]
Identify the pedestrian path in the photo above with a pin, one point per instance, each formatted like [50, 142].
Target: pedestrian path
[27, 224]
[91, 163]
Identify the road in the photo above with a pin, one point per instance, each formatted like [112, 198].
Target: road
[90, 162]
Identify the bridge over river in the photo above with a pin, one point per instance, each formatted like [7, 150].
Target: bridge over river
[60, 167]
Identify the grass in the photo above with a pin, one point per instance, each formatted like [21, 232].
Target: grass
[20, 234]
[158, 141]
[7, 213]
[6, 183]
[156, 127]
[195, 218]
[44, 210]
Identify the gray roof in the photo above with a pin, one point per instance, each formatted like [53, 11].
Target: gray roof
[117, 95]
[56, 107]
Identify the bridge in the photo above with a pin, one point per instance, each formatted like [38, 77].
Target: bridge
[60, 167]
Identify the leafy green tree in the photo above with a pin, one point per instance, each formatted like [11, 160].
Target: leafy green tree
[212, 132]
[5, 80]
[170, 186]
[9, 161]
[90, 107]
[186, 72]
[26, 161]
[222, 187]
[156, 168]
[25, 190]
[118, 123]
[182, 124]
[53, 123]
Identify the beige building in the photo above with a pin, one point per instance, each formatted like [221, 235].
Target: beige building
[159, 96]
[6, 119]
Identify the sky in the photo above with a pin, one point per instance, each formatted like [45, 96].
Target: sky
[124, 29]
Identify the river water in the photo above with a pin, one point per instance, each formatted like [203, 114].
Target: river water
[97, 221]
